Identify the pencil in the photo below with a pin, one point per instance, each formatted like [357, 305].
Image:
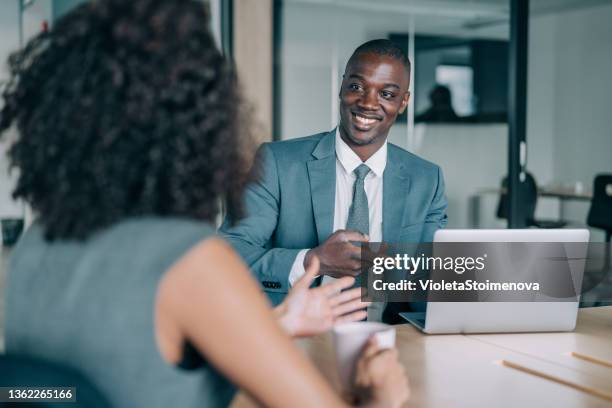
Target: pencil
[589, 390]
[592, 359]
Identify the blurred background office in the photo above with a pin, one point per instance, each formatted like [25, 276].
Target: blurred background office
[291, 54]
[472, 112]
[464, 46]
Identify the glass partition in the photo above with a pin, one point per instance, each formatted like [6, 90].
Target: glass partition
[569, 122]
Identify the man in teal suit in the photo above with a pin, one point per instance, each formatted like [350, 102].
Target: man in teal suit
[317, 195]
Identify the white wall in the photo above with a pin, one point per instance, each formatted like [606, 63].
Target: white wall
[9, 32]
[33, 17]
[583, 116]
[9, 41]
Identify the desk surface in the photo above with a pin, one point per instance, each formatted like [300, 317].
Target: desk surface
[464, 370]
[562, 193]
[566, 193]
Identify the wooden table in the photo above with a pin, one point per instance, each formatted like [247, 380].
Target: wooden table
[465, 370]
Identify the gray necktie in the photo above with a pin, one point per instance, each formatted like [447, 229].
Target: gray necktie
[359, 219]
[359, 214]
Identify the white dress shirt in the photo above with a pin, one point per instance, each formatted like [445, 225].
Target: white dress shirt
[346, 162]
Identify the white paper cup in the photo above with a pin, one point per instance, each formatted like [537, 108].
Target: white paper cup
[350, 340]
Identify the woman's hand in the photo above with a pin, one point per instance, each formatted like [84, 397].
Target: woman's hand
[380, 380]
[308, 312]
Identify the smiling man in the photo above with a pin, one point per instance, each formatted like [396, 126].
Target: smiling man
[318, 195]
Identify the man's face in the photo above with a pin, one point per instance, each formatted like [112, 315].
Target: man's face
[374, 91]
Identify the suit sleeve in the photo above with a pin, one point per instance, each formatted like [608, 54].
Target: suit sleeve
[436, 215]
[251, 236]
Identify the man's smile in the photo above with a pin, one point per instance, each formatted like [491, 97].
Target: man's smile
[364, 122]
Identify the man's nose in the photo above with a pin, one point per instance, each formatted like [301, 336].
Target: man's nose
[368, 101]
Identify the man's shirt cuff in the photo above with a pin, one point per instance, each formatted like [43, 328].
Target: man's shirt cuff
[297, 269]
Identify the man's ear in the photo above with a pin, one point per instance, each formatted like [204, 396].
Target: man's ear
[405, 101]
[341, 85]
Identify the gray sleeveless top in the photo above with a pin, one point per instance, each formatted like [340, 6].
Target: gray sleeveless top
[90, 305]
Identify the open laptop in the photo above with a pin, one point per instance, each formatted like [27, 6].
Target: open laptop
[497, 317]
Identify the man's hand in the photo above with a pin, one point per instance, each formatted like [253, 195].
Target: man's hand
[308, 312]
[337, 255]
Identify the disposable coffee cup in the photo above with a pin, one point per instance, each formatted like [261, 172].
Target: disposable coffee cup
[349, 341]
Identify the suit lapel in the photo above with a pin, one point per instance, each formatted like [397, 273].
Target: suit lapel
[396, 186]
[322, 175]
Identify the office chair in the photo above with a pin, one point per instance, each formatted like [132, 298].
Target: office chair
[529, 194]
[600, 216]
[600, 213]
[17, 371]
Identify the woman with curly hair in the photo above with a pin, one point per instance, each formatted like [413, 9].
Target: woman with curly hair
[131, 134]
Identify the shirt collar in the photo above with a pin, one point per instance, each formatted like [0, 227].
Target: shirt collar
[349, 159]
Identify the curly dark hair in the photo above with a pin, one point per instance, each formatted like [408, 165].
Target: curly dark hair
[126, 108]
